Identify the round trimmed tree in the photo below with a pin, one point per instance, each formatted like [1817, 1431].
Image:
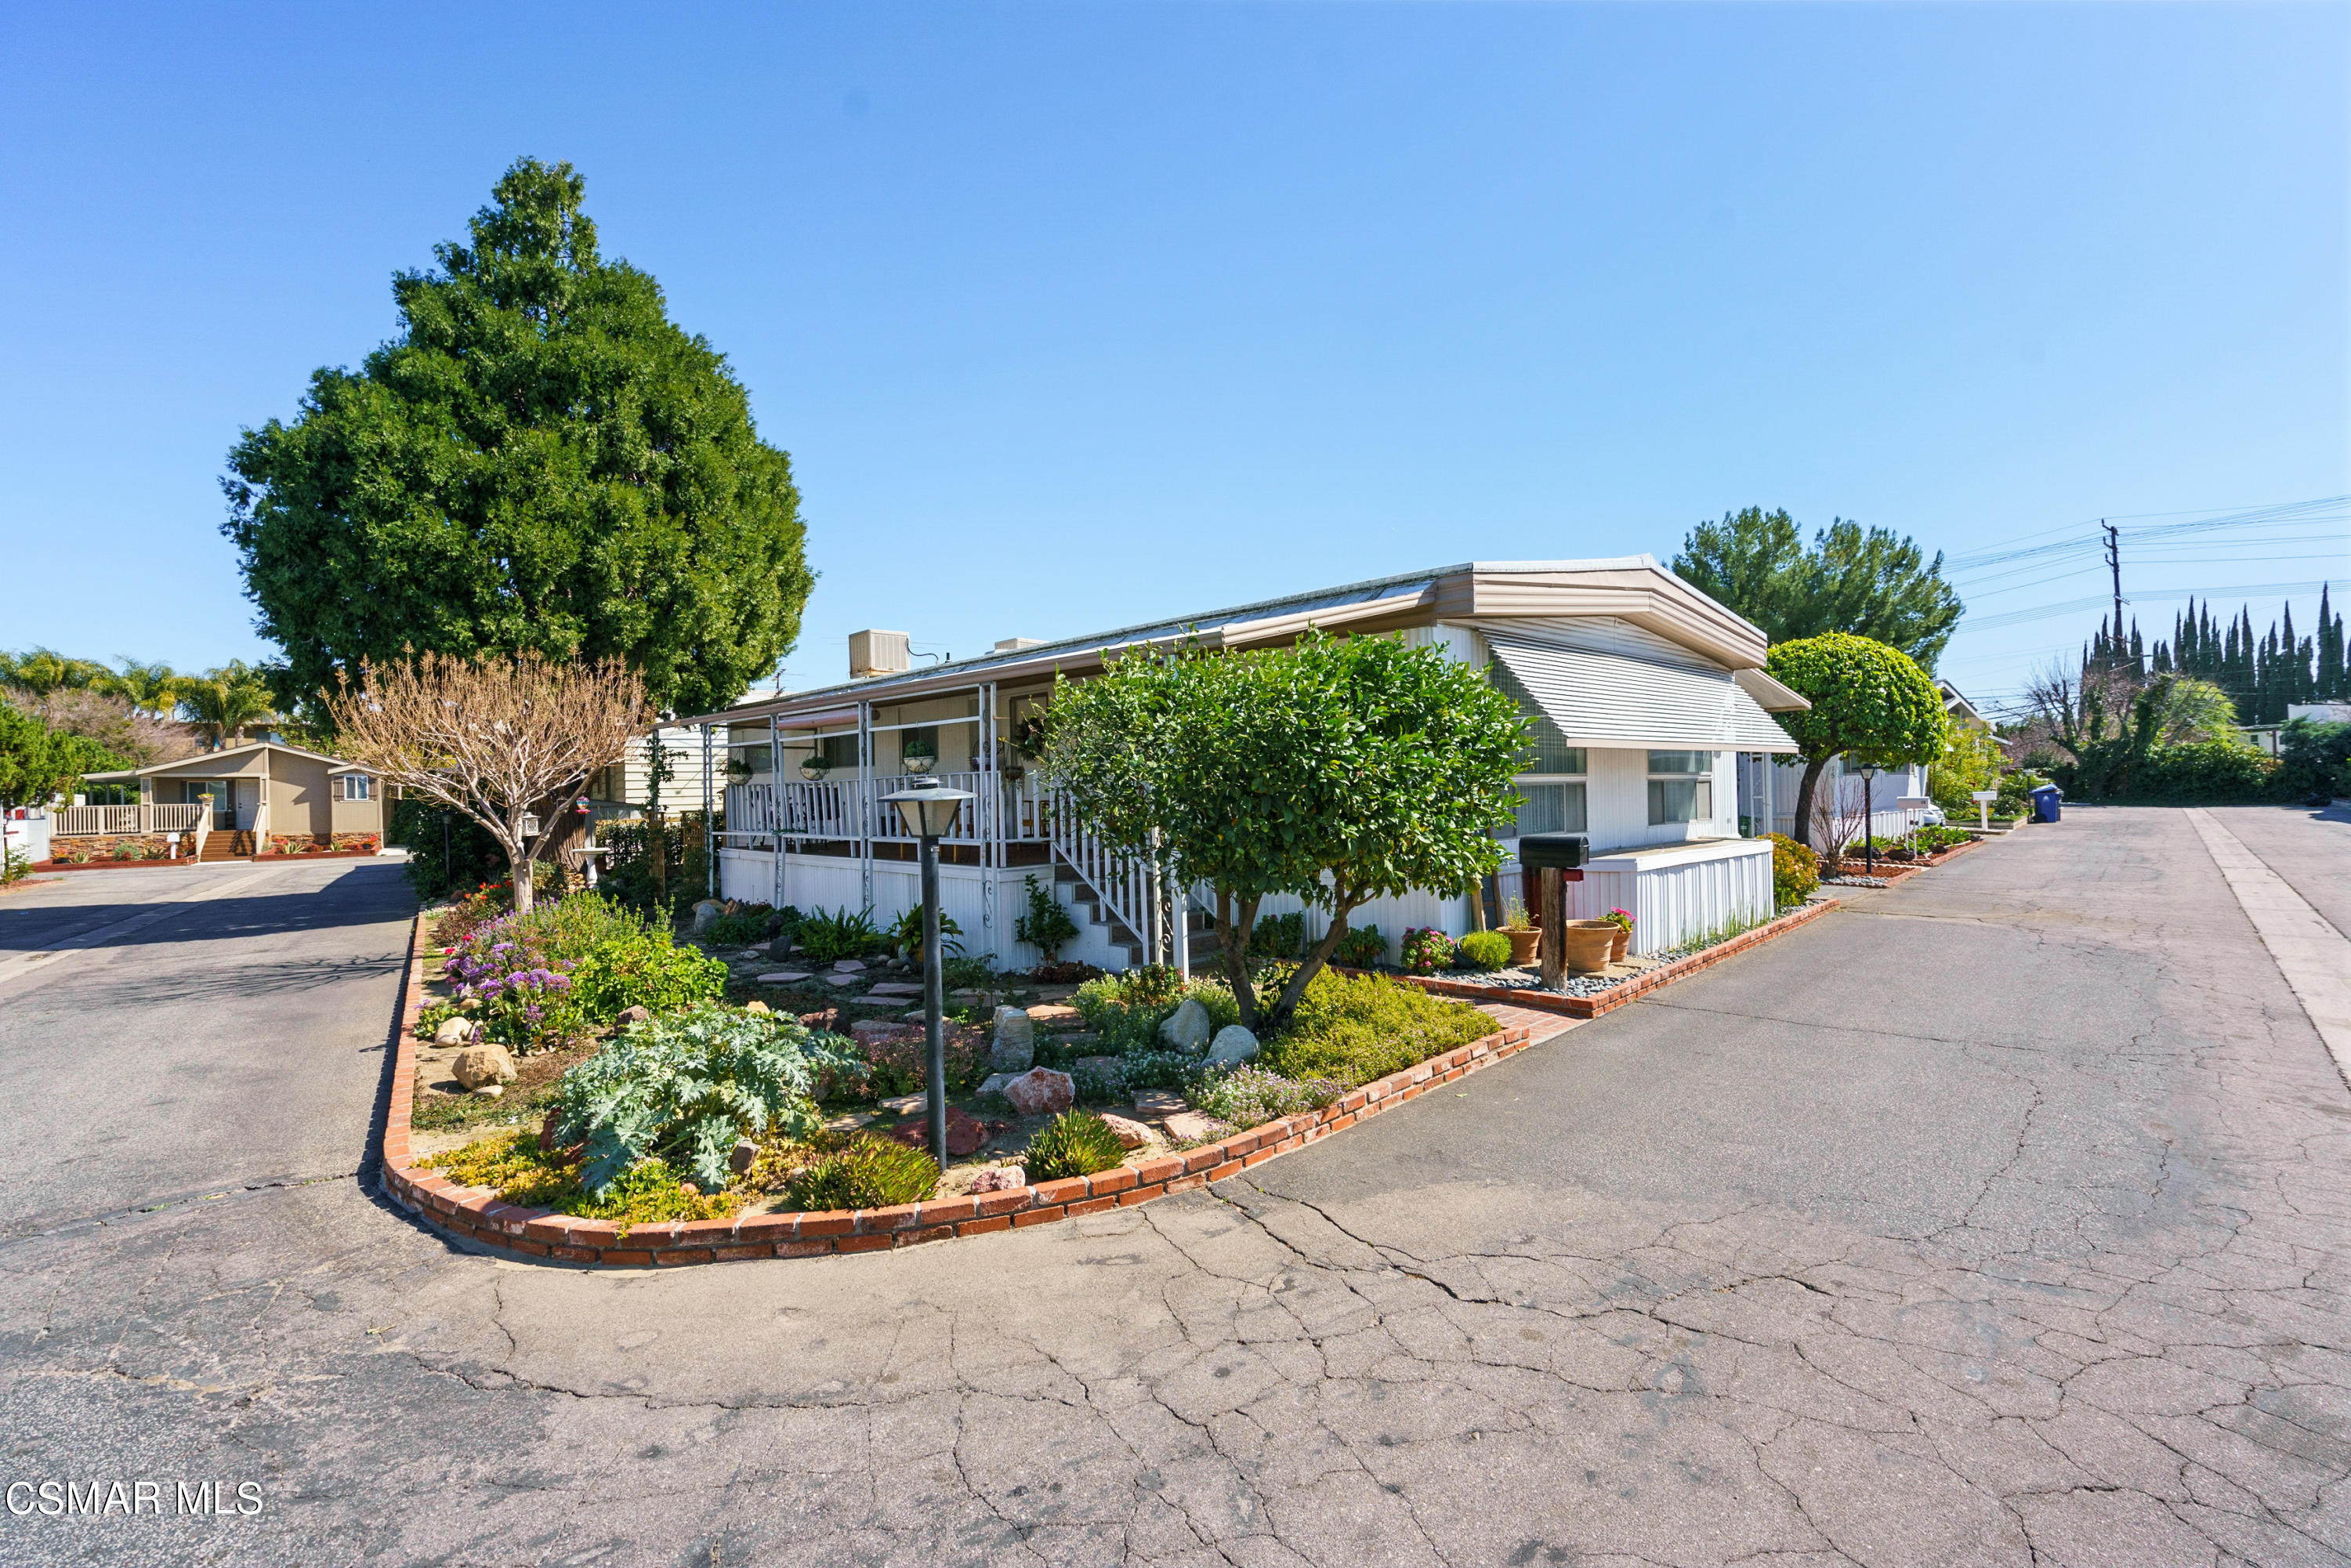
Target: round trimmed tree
[1871, 704]
[541, 461]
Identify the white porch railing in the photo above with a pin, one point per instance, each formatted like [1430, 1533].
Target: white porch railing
[1129, 887]
[99, 821]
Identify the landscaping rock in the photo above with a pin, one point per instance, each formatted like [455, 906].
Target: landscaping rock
[479, 1064]
[704, 912]
[755, 1006]
[1101, 1066]
[906, 1104]
[781, 947]
[1232, 1046]
[966, 1134]
[453, 1032]
[866, 1030]
[1055, 1015]
[1131, 1135]
[491, 1090]
[1160, 1103]
[1003, 1178]
[783, 977]
[1191, 1126]
[993, 1083]
[1015, 1046]
[1187, 1029]
[638, 1014]
[741, 1157]
[848, 966]
[1041, 1091]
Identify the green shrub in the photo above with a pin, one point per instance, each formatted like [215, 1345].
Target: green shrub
[683, 1088]
[1424, 950]
[1249, 1095]
[1123, 1012]
[2015, 793]
[1363, 948]
[1795, 870]
[1076, 1142]
[2313, 759]
[899, 1061]
[2203, 771]
[979, 974]
[868, 1172]
[1047, 926]
[1352, 1029]
[904, 935]
[825, 938]
[644, 967]
[1278, 936]
[742, 926]
[1483, 950]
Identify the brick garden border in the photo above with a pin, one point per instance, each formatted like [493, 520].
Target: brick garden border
[480, 1215]
[1627, 990]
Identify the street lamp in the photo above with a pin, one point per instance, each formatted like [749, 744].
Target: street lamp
[1868, 822]
[928, 809]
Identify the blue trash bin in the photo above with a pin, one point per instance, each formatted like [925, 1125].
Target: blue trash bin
[2045, 803]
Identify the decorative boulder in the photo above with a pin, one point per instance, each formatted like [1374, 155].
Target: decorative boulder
[635, 1015]
[1003, 1178]
[1232, 1046]
[1131, 1135]
[755, 1006]
[1187, 1029]
[1041, 1091]
[1015, 1049]
[453, 1032]
[479, 1064]
[741, 1158]
[704, 912]
[993, 1083]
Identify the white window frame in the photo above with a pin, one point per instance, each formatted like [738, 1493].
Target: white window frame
[1701, 781]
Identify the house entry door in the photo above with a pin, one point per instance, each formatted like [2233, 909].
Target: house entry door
[248, 801]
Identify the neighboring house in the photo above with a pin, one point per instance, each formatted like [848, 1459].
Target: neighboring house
[1964, 713]
[228, 805]
[1639, 690]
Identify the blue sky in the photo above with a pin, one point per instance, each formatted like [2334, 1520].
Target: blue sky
[1074, 316]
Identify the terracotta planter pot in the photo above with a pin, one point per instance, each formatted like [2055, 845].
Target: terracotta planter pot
[1624, 940]
[1523, 945]
[1587, 944]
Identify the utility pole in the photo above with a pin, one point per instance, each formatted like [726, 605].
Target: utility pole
[2115, 563]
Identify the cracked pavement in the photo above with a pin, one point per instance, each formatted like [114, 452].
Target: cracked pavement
[2000, 1218]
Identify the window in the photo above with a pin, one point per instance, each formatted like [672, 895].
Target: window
[1548, 808]
[1686, 793]
[355, 787]
[754, 758]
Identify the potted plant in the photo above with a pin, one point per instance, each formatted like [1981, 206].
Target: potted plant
[738, 770]
[1623, 920]
[919, 754]
[1585, 945]
[1524, 937]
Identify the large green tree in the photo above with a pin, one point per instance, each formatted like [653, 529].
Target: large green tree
[1869, 583]
[1339, 771]
[38, 762]
[1871, 704]
[540, 460]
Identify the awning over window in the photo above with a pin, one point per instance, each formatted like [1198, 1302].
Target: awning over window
[1612, 699]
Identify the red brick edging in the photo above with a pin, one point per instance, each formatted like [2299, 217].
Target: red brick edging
[1628, 990]
[479, 1215]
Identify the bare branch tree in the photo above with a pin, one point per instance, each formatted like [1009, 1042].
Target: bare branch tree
[497, 738]
[2080, 710]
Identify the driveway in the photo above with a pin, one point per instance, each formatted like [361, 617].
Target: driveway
[2000, 1218]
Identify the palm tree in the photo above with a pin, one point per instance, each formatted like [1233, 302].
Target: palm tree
[227, 701]
[149, 688]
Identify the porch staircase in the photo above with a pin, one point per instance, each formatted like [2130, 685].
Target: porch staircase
[1093, 909]
[227, 844]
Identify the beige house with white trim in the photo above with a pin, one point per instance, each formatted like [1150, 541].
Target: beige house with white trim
[229, 804]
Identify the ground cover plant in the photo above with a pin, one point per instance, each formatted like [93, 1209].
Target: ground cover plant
[897, 1064]
[1251, 1095]
[521, 1171]
[1076, 1142]
[1123, 1012]
[685, 1087]
[552, 970]
[866, 1172]
[1353, 1029]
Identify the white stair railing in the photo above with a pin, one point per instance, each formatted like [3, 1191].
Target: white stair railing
[1127, 886]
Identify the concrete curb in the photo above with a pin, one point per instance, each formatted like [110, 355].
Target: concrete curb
[479, 1215]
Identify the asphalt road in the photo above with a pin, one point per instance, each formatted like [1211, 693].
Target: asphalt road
[2003, 1218]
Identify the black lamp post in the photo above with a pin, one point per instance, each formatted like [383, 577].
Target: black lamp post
[928, 810]
[1868, 822]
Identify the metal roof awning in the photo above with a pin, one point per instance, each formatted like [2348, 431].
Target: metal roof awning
[1612, 699]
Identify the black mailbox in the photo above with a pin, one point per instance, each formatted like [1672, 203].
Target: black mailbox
[1547, 851]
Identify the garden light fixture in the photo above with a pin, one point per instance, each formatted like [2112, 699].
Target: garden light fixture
[928, 810]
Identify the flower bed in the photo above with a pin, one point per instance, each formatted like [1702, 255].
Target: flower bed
[480, 1215]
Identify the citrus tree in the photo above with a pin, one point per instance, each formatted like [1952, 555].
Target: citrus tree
[1337, 771]
[1871, 704]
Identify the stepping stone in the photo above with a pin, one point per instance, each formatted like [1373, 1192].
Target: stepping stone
[872, 1002]
[843, 979]
[848, 966]
[855, 1122]
[1054, 1015]
[897, 988]
[906, 1104]
[1158, 1102]
[1188, 1126]
[783, 977]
